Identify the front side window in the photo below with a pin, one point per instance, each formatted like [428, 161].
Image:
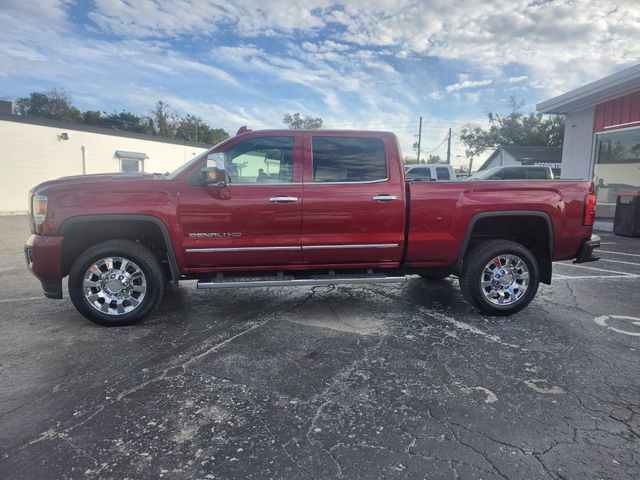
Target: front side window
[348, 159]
[421, 173]
[261, 160]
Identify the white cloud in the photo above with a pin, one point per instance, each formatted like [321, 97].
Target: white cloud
[174, 18]
[467, 84]
[562, 43]
[361, 64]
[518, 79]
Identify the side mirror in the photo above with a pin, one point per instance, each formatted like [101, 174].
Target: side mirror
[215, 172]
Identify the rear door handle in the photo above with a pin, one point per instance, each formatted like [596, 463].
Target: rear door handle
[385, 198]
[283, 199]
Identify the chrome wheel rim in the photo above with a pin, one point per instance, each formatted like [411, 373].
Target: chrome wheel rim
[504, 279]
[114, 285]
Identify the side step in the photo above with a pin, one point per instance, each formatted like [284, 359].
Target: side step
[282, 280]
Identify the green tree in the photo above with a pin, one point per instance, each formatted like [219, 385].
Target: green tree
[193, 129]
[123, 120]
[435, 159]
[164, 119]
[514, 128]
[296, 121]
[54, 104]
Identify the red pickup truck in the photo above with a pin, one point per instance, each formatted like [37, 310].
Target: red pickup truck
[283, 207]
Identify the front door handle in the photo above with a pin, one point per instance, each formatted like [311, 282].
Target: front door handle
[283, 199]
[385, 198]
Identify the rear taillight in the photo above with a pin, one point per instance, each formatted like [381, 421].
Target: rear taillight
[590, 209]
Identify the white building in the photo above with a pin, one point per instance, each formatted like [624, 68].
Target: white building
[602, 136]
[517, 155]
[34, 150]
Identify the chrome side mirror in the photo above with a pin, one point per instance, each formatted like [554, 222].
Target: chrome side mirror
[215, 172]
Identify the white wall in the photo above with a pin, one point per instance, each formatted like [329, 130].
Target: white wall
[578, 145]
[31, 154]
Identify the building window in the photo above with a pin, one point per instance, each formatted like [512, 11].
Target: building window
[131, 162]
[130, 166]
[617, 167]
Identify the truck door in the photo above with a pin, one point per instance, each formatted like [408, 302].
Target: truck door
[255, 219]
[354, 206]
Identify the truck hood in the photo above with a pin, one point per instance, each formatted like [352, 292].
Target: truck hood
[101, 178]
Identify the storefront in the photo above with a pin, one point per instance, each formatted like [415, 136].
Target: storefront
[602, 136]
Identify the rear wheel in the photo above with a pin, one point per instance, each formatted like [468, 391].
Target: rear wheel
[117, 282]
[500, 277]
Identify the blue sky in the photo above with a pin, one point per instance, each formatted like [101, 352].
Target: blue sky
[376, 64]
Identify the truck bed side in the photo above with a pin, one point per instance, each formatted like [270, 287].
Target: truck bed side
[445, 216]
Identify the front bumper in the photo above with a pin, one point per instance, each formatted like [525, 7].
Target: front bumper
[44, 259]
[585, 254]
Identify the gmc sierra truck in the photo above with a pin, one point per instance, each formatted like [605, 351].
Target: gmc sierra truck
[281, 207]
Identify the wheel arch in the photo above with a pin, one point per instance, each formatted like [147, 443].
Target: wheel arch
[508, 225]
[95, 228]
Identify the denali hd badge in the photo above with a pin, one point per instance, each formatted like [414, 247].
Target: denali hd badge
[215, 235]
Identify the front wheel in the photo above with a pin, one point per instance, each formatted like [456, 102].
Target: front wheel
[116, 283]
[500, 277]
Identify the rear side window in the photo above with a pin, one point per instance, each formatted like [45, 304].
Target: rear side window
[443, 173]
[348, 159]
[536, 174]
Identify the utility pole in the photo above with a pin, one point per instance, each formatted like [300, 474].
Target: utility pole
[419, 139]
[449, 149]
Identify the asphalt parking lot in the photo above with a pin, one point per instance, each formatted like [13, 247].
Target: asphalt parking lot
[382, 381]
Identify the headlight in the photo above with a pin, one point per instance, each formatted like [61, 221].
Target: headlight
[39, 209]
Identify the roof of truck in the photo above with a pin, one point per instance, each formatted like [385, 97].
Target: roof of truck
[323, 131]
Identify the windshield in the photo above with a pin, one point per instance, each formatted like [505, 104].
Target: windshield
[186, 166]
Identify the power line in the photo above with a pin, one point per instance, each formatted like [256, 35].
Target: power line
[443, 140]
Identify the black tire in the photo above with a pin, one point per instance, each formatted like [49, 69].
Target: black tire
[473, 270]
[132, 251]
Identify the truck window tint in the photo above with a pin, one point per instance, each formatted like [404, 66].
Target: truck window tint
[348, 159]
[535, 174]
[419, 173]
[443, 173]
[261, 160]
[510, 174]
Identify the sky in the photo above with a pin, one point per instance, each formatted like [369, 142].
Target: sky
[375, 64]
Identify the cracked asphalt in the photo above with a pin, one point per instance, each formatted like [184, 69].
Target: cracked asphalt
[403, 381]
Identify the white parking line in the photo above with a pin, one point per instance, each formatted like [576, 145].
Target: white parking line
[597, 269]
[596, 277]
[618, 261]
[618, 253]
[608, 243]
[23, 299]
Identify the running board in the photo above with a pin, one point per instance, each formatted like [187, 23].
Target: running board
[297, 281]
